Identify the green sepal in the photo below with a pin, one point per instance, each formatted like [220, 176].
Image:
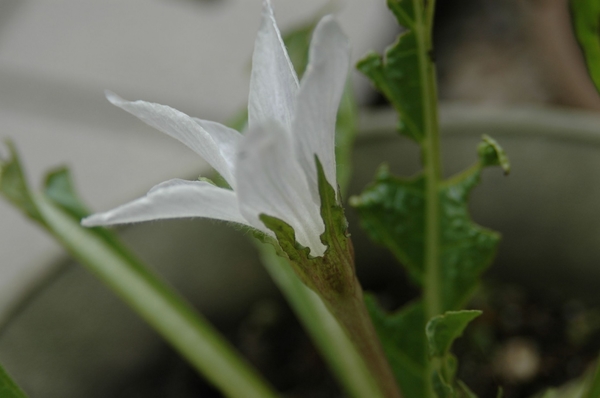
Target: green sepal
[400, 73]
[14, 187]
[332, 273]
[442, 330]
[402, 335]
[586, 20]
[392, 211]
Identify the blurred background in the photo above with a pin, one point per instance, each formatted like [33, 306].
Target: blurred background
[57, 58]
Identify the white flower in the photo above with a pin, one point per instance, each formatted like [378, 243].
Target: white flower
[271, 168]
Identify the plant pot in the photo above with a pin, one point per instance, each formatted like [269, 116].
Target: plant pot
[71, 337]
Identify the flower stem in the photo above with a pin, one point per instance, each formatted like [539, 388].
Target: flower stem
[351, 312]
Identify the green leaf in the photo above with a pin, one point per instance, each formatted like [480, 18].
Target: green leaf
[492, 154]
[14, 188]
[147, 294]
[392, 211]
[8, 388]
[400, 74]
[442, 330]
[586, 18]
[402, 335]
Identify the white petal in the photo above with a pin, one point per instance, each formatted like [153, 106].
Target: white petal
[181, 127]
[174, 199]
[318, 100]
[273, 83]
[271, 182]
[226, 138]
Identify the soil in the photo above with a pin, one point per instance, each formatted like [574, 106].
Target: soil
[523, 343]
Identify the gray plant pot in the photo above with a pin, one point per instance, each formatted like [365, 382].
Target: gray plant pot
[72, 338]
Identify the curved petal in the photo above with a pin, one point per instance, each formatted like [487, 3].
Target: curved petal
[318, 100]
[273, 83]
[174, 199]
[271, 182]
[227, 139]
[181, 127]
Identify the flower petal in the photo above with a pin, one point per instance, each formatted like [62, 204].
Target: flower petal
[271, 182]
[318, 100]
[273, 83]
[226, 138]
[174, 199]
[181, 127]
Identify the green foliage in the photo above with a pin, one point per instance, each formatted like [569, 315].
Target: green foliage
[400, 74]
[586, 18]
[441, 331]
[405, 349]
[392, 211]
[59, 211]
[8, 388]
[14, 188]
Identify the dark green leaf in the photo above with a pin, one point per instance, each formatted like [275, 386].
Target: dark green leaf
[392, 211]
[442, 330]
[8, 388]
[586, 18]
[404, 345]
[400, 74]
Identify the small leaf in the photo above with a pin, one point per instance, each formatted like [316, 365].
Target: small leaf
[399, 75]
[441, 387]
[59, 188]
[586, 18]
[14, 187]
[492, 154]
[8, 388]
[442, 330]
[402, 335]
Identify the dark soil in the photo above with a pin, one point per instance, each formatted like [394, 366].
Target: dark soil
[522, 342]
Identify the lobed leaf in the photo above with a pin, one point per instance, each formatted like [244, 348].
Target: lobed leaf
[400, 73]
[392, 211]
[405, 347]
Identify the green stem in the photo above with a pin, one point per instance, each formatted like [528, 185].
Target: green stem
[432, 287]
[332, 341]
[354, 317]
[159, 305]
[433, 169]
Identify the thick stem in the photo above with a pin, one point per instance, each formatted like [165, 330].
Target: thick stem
[351, 312]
